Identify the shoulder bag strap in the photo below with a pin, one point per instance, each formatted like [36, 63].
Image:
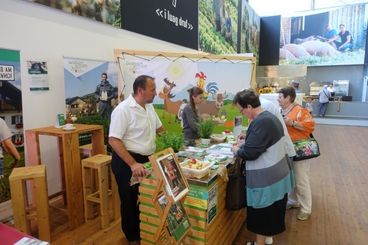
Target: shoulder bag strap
[325, 94]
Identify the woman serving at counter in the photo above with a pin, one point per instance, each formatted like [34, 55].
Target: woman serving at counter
[190, 116]
[300, 125]
[267, 170]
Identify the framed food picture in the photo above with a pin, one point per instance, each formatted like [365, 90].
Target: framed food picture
[166, 165]
[177, 221]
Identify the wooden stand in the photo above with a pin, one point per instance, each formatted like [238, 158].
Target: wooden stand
[151, 211]
[211, 223]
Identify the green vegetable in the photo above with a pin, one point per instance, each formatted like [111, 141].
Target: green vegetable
[206, 128]
[175, 141]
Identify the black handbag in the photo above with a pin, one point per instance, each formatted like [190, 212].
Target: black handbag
[236, 197]
[306, 149]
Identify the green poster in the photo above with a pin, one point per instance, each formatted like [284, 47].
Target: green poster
[11, 117]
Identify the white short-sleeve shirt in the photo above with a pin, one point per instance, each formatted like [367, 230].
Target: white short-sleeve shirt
[271, 107]
[135, 126]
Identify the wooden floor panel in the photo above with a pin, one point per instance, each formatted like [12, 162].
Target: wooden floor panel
[339, 179]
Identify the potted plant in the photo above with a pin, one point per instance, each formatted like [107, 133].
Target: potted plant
[175, 141]
[205, 130]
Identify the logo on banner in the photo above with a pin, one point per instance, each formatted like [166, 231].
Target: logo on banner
[174, 3]
[177, 21]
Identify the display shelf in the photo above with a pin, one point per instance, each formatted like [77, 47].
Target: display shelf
[211, 223]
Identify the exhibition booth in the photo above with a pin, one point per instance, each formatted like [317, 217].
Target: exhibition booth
[58, 89]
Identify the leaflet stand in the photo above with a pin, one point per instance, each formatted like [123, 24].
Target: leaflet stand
[170, 190]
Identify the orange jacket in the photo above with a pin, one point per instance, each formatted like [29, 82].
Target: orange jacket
[303, 117]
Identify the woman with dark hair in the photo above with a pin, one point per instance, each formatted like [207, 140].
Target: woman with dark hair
[190, 116]
[300, 125]
[267, 168]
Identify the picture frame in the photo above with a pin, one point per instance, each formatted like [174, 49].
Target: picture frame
[177, 221]
[60, 120]
[166, 165]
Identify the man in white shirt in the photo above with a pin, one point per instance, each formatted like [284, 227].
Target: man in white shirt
[132, 136]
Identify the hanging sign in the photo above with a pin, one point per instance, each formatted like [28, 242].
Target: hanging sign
[174, 21]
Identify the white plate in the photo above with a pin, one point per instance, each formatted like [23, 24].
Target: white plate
[69, 129]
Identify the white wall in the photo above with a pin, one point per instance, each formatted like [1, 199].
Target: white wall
[46, 34]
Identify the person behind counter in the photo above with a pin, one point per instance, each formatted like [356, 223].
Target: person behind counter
[132, 136]
[295, 85]
[300, 125]
[190, 116]
[331, 89]
[267, 168]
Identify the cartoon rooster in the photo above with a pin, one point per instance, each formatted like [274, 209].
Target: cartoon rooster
[201, 82]
[201, 79]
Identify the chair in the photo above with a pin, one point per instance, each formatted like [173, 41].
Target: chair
[23, 212]
[98, 194]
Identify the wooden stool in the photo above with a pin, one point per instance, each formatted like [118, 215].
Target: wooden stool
[86, 150]
[23, 213]
[101, 164]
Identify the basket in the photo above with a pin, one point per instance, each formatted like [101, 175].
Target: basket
[218, 138]
[196, 173]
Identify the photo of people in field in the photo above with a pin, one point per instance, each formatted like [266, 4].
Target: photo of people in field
[335, 37]
[218, 25]
[106, 11]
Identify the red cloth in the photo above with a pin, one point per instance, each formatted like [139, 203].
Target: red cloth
[9, 235]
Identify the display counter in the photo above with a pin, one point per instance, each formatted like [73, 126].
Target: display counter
[274, 96]
[211, 223]
[344, 109]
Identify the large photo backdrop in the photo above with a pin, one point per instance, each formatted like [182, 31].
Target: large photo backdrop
[220, 78]
[334, 37]
[106, 11]
[213, 26]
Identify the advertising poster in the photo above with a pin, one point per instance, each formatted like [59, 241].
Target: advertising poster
[11, 120]
[174, 180]
[91, 91]
[177, 220]
[250, 30]
[218, 26]
[106, 11]
[37, 75]
[175, 21]
[212, 203]
[173, 78]
[335, 37]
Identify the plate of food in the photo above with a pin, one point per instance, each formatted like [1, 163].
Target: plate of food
[196, 168]
[69, 128]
